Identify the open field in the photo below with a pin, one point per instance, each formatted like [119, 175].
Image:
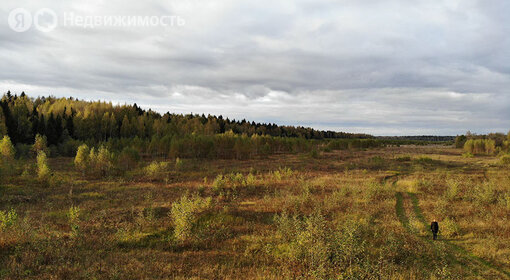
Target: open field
[342, 214]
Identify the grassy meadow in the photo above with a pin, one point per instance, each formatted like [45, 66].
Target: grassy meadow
[346, 214]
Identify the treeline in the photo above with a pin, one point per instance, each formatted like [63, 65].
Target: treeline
[67, 123]
[490, 144]
[422, 138]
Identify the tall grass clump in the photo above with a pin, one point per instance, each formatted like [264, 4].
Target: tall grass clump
[185, 214]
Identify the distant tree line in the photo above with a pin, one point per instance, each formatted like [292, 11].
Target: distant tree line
[66, 123]
[425, 138]
[490, 144]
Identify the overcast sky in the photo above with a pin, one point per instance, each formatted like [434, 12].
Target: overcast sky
[395, 67]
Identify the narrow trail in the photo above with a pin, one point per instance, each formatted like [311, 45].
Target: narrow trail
[455, 253]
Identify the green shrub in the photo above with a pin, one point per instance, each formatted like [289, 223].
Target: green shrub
[7, 151]
[314, 153]
[281, 173]
[485, 194]
[178, 164]
[185, 214]
[73, 216]
[43, 171]
[424, 160]
[306, 241]
[23, 151]
[449, 228]
[232, 182]
[376, 162]
[128, 158]
[219, 183]
[452, 189]
[403, 158]
[505, 200]
[480, 146]
[156, 170]
[40, 144]
[250, 180]
[505, 159]
[81, 160]
[8, 219]
[320, 248]
[376, 191]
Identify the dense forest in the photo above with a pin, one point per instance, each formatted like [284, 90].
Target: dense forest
[67, 122]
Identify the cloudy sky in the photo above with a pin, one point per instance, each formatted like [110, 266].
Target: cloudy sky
[394, 67]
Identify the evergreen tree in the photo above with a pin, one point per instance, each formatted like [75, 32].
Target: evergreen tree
[3, 126]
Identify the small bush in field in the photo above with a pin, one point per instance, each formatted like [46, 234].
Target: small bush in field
[281, 173]
[250, 180]
[505, 200]
[403, 158]
[232, 181]
[40, 144]
[449, 228]
[314, 153]
[103, 160]
[321, 248]
[484, 194]
[156, 170]
[43, 171]
[7, 151]
[219, 183]
[376, 191]
[452, 189]
[99, 162]
[185, 214]
[7, 219]
[178, 164]
[376, 162]
[424, 160]
[468, 155]
[81, 160]
[128, 158]
[73, 216]
[505, 159]
[306, 241]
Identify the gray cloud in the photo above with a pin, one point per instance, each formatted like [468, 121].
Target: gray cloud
[382, 67]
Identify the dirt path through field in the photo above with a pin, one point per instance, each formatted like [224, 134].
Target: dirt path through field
[409, 203]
